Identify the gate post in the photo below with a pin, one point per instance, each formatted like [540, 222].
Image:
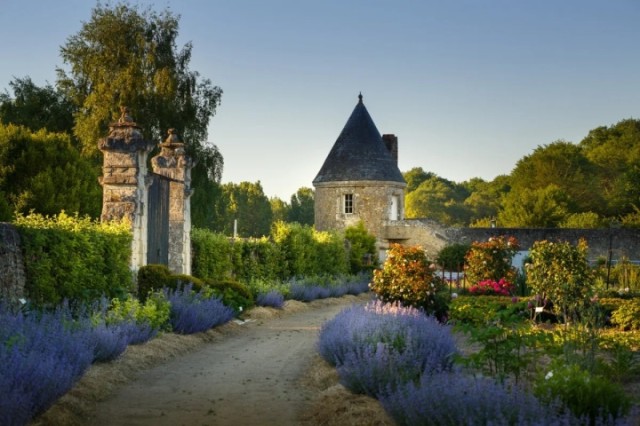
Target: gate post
[172, 163]
[124, 183]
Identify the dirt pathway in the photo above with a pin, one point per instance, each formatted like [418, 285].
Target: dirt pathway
[249, 378]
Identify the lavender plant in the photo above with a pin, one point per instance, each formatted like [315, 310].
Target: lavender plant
[193, 312]
[454, 398]
[273, 299]
[41, 357]
[380, 345]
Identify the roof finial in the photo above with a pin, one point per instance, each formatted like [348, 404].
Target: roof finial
[360, 98]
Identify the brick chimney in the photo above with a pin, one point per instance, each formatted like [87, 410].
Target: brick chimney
[391, 142]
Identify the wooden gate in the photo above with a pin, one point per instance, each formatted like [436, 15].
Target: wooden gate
[158, 221]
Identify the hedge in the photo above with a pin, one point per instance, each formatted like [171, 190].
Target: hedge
[74, 258]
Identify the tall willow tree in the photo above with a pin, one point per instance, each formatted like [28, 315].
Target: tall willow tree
[125, 55]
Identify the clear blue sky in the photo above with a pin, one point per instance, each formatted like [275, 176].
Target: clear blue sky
[469, 87]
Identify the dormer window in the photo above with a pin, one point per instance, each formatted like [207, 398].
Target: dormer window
[348, 203]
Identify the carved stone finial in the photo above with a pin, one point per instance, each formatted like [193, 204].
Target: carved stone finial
[172, 137]
[360, 98]
[124, 115]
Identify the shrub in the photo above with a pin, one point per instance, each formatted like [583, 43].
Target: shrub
[41, 356]
[560, 272]
[478, 311]
[362, 248]
[491, 260]
[452, 256]
[193, 312]
[232, 293]
[154, 312]
[491, 287]
[407, 277]
[272, 299]
[378, 346]
[627, 316]
[110, 341]
[182, 280]
[152, 278]
[588, 396]
[212, 254]
[453, 398]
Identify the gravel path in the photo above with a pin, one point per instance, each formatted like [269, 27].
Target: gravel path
[249, 378]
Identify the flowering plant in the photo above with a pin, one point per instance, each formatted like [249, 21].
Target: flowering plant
[491, 260]
[491, 287]
[408, 277]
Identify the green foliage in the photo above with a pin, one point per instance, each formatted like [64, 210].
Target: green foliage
[36, 107]
[127, 55]
[409, 278]
[42, 172]
[154, 311]
[583, 393]
[479, 311]
[250, 207]
[534, 208]
[564, 166]
[256, 258]
[152, 278]
[508, 348]
[491, 260]
[587, 220]
[123, 55]
[452, 256]
[308, 252]
[440, 200]
[279, 210]
[179, 281]
[627, 315]
[330, 254]
[560, 272]
[302, 207]
[212, 254]
[68, 257]
[263, 286]
[233, 294]
[362, 248]
[615, 151]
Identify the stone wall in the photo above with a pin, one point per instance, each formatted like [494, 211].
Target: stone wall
[624, 242]
[12, 275]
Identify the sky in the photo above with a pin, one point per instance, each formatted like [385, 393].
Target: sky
[469, 87]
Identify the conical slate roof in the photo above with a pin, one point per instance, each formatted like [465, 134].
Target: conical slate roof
[359, 153]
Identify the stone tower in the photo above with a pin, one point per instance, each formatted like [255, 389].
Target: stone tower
[360, 179]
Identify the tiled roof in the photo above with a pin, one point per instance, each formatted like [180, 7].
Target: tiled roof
[359, 153]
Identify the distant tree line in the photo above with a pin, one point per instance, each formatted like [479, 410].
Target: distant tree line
[592, 184]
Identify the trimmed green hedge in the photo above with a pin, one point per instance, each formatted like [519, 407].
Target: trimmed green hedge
[68, 257]
[294, 250]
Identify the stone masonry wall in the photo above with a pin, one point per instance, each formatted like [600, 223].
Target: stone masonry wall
[371, 204]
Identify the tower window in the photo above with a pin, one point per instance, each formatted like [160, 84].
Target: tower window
[348, 203]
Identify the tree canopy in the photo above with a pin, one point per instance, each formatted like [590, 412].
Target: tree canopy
[561, 184]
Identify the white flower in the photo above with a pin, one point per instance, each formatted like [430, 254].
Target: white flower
[454, 295]
[23, 301]
[549, 375]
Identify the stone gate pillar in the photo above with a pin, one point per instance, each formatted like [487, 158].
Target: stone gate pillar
[173, 164]
[123, 181]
